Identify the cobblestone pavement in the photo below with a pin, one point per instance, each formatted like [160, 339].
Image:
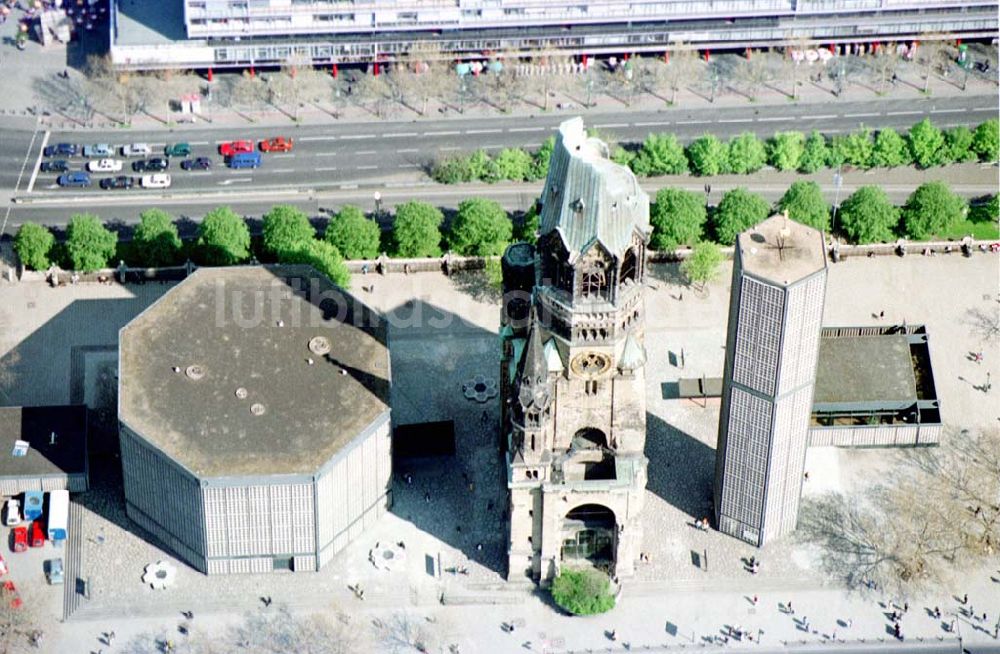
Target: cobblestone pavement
[444, 337]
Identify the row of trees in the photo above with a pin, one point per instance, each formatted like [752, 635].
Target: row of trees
[924, 145]
[479, 227]
[681, 217]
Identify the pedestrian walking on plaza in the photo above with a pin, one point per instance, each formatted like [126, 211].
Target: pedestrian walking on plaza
[965, 598]
[789, 609]
[951, 625]
[881, 314]
[906, 607]
[755, 600]
[937, 613]
[850, 622]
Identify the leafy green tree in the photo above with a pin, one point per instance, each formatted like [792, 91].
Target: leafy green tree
[286, 228]
[452, 170]
[805, 204]
[738, 211]
[540, 160]
[836, 154]
[479, 165]
[867, 216]
[785, 150]
[702, 266]
[661, 154]
[583, 592]
[986, 140]
[416, 232]
[33, 244]
[707, 156]
[747, 154]
[323, 257]
[353, 234]
[854, 149]
[223, 238]
[627, 158]
[89, 244]
[814, 154]
[156, 241]
[926, 141]
[514, 164]
[890, 150]
[958, 145]
[986, 210]
[480, 228]
[678, 218]
[931, 209]
[527, 229]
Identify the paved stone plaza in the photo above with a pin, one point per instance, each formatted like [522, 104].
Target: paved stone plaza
[443, 333]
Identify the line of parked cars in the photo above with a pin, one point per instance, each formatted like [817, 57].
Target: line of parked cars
[39, 528]
[237, 154]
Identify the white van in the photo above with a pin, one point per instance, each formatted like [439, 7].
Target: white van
[12, 513]
[159, 180]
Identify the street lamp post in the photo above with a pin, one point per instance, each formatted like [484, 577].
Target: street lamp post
[838, 181]
[378, 204]
[715, 82]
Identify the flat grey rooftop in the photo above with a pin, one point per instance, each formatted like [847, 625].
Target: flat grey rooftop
[217, 373]
[781, 250]
[865, 369]
[150, 23]
[68, 455]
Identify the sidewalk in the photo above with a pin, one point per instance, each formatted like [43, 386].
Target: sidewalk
[33, 87]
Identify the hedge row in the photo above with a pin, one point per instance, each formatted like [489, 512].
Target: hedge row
[481, 227]
[924, 145]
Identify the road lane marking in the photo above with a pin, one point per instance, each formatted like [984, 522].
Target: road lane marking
[823, 117]
[364, 152]
[653, 124]
[984, 109]
[202, 174]
[526, 129]
[314, 138]
[367, 167]
[326, 154]
[900, 113]
[735, 120]
[407, 150]
[864, 115]
[483, 131]
[327, 169]
[282, 156]
[198, 143]
[235, 180]
[946, 111]
[38, 163]
[352, 137]
[408, 166]
[492, 147]
[774, 119]
[692, 122]
[398, 135]
[611, 125]
[283, 170]
[451, 147]
[442, 133]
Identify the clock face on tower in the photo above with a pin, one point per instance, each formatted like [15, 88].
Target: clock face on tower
[590, 364]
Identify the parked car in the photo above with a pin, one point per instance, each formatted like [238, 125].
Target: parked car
[55, 166]
[276, 144]
[36, 534]
[99, 150]
[136, 150]
[200, 163]
[177, 150]
[105, 166]
[54, 571]
[122, 181]
[155, 181]
[235, 147]
[12, 512]
[154, 165]
[20, 542]
[74, 179]
[60, 149]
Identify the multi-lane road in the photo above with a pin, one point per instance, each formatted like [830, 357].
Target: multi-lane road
[337, 163]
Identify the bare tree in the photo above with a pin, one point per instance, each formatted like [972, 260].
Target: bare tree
[68, 97]
[940, 513]
[504, 86]
[376, 94]
[128, 93]
[797, 44]
[929, 54]
[403, 632]
[753, 73]
[422, 75]
[679, 71]
[247, 91]
[884, 65]
[984, 324]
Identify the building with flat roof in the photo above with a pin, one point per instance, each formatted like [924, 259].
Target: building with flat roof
[772, 347]
[254, 411]
[242, 33]
[44, 448]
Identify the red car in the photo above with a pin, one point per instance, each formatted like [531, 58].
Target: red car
[277, 144]
[36, 535]
[20, 539]
[235, 147]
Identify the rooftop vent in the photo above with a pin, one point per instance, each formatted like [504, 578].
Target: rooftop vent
[241, 393]
[194, 372]
[257, 409]
[319, 345]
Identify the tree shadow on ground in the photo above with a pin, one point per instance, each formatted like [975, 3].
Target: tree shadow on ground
[681, 468]
[667, 273]
[476, 285]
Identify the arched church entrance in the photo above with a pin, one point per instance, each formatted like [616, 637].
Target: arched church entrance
[588, 534]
